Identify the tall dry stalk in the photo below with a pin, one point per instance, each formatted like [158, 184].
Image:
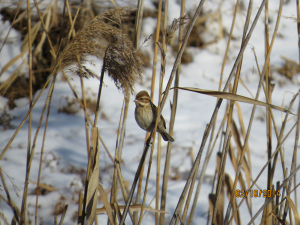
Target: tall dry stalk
[207, 131]
[171, 126]
[229, 120]
[298, 31]
[268, 114]
[48, 102]
[210, 148]
[28, 162]
[253, 111]
[157, 33]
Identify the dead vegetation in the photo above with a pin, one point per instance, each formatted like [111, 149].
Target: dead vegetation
[109, 37]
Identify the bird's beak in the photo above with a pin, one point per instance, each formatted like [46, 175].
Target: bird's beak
[135, 101]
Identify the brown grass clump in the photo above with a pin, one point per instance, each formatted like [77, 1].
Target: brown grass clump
[289, 69]
[18, 89]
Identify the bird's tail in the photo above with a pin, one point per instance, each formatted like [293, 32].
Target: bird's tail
[166, 137]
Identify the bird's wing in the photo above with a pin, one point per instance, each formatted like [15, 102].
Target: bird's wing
[154, 110]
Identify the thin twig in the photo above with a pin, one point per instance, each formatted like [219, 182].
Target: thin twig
[42, 149]
[28, 162]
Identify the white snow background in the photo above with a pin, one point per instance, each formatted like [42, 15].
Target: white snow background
[65, 156]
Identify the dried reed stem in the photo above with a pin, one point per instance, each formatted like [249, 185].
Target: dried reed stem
[123, 188]
[268, 114]
[24, 119]
[294, 159]
[113, 195]
[264, 167]
[206, 133]
[138, 22]
[88, 152]
[89, 118]
[279, 136]
[80, 208]
[48, 112]
[221, 171]
[136, 177]
[63, 215]
[162, 74]
[158, 162]
[298, 29]
[44, 27]
[157, 32]
[253, 109]
[171, 126]
[42, 149]
[159, 11]
[235, 86]
[268, 200]
[209, 151]
[28, 162]
[298, 25]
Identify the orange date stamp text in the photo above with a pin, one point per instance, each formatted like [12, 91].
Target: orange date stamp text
[256, 193]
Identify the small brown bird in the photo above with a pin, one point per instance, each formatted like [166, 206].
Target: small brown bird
[145, 115]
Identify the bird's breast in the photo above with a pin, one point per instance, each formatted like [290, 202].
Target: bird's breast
[144, 118]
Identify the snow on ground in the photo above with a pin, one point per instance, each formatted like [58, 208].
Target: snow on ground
[65, 156]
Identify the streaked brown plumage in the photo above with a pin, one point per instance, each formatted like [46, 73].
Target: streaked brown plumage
[144, 112]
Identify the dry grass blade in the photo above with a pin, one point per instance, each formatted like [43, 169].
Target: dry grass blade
[12, 77]
[279, 219]
[238, 142]
[268, 200]
[94, 180]
[234, 161]
[4, 218]
[296, 214]
[240, 116]
[229, 186]
[39, 46]
[220, 186]
[134, 207]
[171, 126]
[235, 97]
[11, 62]
[107, 206]
[212, 202]
[136, 177]
[63, 215]
[79, 217]
[264, 167]
[123, 186]
[33, 34]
